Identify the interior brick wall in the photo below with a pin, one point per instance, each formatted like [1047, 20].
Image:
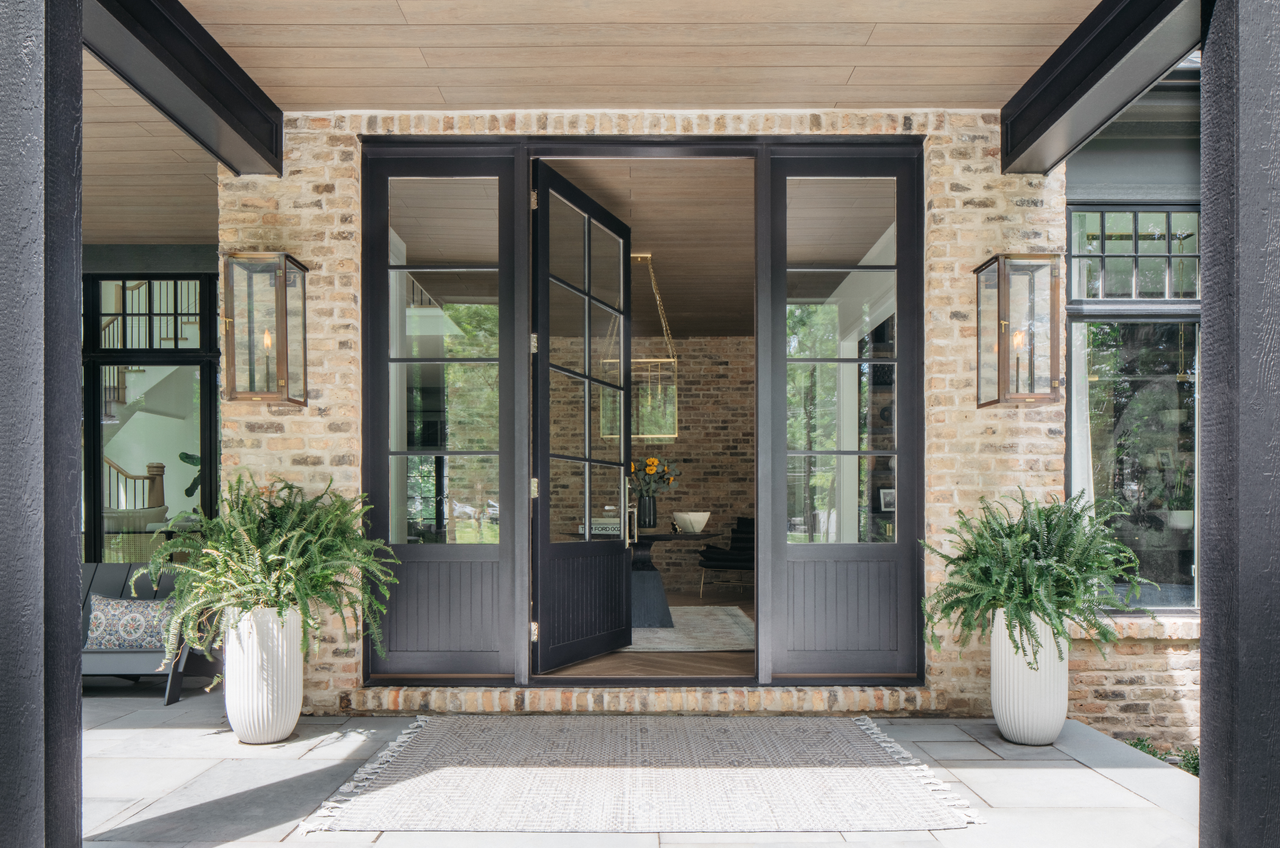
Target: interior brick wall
[972, 212]
[715, 449]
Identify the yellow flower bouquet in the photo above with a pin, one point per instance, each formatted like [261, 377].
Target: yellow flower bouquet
[653, 475]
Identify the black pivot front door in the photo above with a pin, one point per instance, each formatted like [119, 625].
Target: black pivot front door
[581, 425]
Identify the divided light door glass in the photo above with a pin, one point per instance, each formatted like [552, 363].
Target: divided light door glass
[581, 425]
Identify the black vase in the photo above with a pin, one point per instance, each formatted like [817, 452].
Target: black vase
[647, 515]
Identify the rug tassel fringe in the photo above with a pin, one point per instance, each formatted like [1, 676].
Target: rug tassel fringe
[360, 781]
[922, 772]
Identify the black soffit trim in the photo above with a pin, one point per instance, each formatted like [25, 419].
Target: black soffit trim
[1116, 54]
[165, 55]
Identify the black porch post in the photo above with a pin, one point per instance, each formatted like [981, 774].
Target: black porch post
[1240, 426]
[40, 97]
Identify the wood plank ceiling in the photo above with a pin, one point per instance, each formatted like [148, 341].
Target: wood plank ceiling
[145, 180]
[635, 54]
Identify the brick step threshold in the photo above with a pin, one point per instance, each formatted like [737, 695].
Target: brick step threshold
[691, 700]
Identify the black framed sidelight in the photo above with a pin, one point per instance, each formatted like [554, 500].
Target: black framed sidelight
[848, 446]
[439, 382]
[460, 625]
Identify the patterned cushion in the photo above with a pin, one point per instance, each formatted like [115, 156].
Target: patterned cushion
[127, 624]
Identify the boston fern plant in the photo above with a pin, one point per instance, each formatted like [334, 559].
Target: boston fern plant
[272, 547]
[1058, 561]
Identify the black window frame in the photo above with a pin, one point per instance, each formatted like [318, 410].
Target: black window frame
[94, 358]
[1119, 310]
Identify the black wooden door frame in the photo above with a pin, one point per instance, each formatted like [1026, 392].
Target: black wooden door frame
[770, 350]
[905, 164]
[611, 552]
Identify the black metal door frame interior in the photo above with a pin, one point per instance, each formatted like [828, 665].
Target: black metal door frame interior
[385, 156]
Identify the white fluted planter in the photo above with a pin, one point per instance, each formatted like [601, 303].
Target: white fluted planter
[262, 674]
[1030, 706]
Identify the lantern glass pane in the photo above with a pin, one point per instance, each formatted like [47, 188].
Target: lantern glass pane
[253, 313]
[989, 335]
[295, 304]
[1030, 326]
[444, 500]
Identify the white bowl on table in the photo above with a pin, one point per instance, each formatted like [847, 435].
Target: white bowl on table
[690, 522]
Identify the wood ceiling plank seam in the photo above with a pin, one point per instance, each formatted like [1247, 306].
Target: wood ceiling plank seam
[466, 39]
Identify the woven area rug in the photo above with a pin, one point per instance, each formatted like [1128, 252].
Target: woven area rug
[698, 629]
[643, 774]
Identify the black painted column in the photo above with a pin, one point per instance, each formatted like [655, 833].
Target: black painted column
[1240, 427]
[40, 97]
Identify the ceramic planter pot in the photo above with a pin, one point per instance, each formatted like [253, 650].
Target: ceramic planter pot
[262, 674]
[1030, 706]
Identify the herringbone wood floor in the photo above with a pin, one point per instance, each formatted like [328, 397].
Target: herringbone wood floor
[685, 664]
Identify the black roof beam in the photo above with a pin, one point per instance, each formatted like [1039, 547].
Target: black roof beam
[164, 54]
[1116, 54]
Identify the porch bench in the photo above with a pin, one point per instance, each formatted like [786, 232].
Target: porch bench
[112, 580]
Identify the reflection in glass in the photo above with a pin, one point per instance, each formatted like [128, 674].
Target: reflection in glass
[989, 332]
[605, 417]
[841, 221]
[447, 406]
[567, 249]
[1086, 232]
[606, 344]
[566, 413]
[1185, 230]
[444, 315]
[606, 266]
[1118, 280]
[1186, 277]
[567, 312]
[443, 220]
[655, 402]
[568, 500]
[1030, 319]
[840, 406]
[444, 500]
[1119, 232]
[150, 454]
[607, 507]
[256, 353]
[1153, 236]
[1151, 276]
[1139, 444]
[841, 315]
[841, 499]
[1088, 277]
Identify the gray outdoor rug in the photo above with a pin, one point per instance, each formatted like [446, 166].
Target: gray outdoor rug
[698, 629]
[643, 774]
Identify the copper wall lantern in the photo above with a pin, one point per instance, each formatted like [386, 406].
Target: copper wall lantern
[265, 303]
[1019, 339]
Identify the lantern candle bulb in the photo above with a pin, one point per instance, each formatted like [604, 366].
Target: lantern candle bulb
[266, 345]
[1019, 345]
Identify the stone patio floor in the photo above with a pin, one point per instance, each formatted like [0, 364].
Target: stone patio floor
[164, 777]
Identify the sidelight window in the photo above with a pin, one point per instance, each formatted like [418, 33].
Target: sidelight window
[443, 357]
[841, 360]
